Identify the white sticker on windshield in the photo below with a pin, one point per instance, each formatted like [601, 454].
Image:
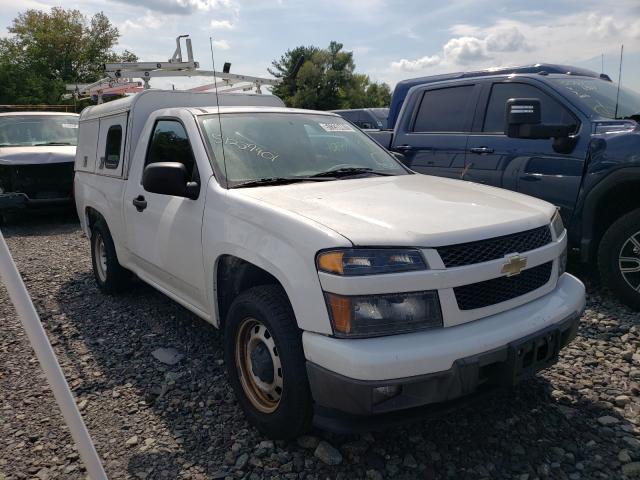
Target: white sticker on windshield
[336, 127]
[69, 125]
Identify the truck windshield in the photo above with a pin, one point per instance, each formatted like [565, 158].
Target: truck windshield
[263, 146]
[34, 130]
[600, 96]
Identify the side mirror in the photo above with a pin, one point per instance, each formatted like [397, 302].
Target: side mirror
[521, 114]
[522, 120]
[169, 178]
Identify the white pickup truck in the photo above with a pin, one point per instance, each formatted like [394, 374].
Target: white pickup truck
[347, 285]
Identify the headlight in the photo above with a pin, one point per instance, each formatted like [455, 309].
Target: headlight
[370, 261]
[375, 315]
[557, 225]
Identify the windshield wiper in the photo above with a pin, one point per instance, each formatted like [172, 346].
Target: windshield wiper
[51, 143]
[347, 171]
[277, 181]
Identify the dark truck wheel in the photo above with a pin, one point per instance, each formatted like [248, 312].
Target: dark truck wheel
[110, 276]
[619, 258]
[266, 364]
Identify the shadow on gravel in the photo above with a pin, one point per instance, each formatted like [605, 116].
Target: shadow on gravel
[191, 418]
[40, 224]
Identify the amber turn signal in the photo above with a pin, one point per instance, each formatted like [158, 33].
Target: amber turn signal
[331, 262]
[340, 312]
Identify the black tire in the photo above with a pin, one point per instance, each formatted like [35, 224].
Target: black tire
[618, 241]
[269, 306]
[8, 218]
[111, 277]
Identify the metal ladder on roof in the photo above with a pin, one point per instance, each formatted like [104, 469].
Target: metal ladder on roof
[121, 77]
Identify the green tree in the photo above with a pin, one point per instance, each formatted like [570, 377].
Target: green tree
[46, 50]
[325, 80]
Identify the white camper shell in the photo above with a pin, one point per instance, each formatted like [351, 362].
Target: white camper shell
[128, 116]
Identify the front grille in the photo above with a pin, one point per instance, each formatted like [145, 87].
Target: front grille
[493, 248]
[501, 289]
[48, 180]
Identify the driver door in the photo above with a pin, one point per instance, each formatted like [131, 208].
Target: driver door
[164, 232]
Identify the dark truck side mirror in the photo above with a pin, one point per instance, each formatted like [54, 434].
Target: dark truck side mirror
[169, 178]
[523, 120]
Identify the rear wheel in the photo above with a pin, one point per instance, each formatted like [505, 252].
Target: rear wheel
[266, 364]
[619, 258]
[110, 276]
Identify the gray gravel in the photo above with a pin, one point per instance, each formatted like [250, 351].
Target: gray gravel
[151, 419]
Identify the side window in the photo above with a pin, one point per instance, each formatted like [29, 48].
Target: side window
[553, 112]
[170, 143]
[367, 120]
[445, 110]
[351, 116]
[113, 147]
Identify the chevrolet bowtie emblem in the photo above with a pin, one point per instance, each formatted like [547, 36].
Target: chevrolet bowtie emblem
[514, 265]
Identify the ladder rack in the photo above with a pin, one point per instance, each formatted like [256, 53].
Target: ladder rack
[120, 77]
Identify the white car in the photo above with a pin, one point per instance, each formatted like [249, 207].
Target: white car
[347, 285]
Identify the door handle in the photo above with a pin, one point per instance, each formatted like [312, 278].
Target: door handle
[140, 203]
[481, 150]
[404, 148]
[531, 178]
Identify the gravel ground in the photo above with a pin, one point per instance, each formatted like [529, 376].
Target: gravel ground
[580, 419]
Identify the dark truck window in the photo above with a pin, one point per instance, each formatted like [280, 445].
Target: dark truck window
[113, 147]
[170, 143]
[445, 110]
[553, 112]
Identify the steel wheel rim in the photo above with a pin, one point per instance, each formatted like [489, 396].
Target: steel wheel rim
[101, 258]
[253, 343]
[629, 261]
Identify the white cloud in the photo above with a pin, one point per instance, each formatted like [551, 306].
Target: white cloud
[473, 46]
[417, 64]
[148, 21]
[506, 40]
[180, 7]
[221, 45]
[221, 25]
[464, 50]
[204, 5]
[603, 27]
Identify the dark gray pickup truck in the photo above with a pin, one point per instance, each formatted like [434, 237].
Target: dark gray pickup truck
[579, 148]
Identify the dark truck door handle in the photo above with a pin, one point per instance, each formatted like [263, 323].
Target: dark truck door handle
[404, 148]
[481, 150]
[140, 203]
[531, 178]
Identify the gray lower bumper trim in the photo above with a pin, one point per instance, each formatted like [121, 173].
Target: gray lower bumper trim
[501, 367]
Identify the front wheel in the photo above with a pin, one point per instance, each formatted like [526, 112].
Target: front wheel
[619, 258]
[266, 364]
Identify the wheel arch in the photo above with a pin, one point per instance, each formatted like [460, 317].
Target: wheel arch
[232, 276]
[614, 196]
[92, 216]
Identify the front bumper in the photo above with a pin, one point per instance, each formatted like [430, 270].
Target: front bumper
[442, 365]
[16, 201]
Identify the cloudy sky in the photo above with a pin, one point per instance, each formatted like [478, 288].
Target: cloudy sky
[391, 40]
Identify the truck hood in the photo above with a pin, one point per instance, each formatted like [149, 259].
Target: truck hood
[37, 155]
[408, 210]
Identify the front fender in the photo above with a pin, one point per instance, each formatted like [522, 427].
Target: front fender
[282, 243]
